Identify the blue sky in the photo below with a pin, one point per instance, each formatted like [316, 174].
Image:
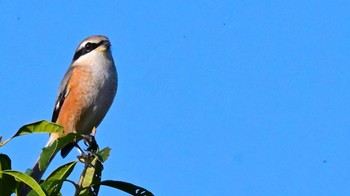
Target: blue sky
[214, 98]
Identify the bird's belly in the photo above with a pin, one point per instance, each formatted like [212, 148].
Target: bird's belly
[97, 107]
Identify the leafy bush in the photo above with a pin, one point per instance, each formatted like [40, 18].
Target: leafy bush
[89, 183]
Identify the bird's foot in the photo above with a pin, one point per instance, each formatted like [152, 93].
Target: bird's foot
[90, 142]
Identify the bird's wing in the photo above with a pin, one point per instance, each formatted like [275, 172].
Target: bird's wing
[63, 92]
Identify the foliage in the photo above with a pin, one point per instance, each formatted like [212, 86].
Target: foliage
[90, 181]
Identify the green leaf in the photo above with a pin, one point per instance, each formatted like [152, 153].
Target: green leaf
[5, 162]
[36, 127]
[49, 152]
[7, 183]
[40, 127]
[103, 154]
[92, 177]
[127, 187]
[54, 181]
[19, 176]
[86, 192]
[47, 155]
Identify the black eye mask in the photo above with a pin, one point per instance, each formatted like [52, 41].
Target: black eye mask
[86, 49]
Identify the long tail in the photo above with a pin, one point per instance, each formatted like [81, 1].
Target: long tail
[37, 173]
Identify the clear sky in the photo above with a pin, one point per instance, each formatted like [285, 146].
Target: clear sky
[214, 98]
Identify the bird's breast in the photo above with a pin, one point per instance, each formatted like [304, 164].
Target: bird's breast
[99, 95]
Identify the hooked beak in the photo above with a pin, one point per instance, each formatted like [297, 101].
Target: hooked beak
[106, 43]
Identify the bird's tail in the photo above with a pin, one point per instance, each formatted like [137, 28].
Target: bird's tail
[37, 173]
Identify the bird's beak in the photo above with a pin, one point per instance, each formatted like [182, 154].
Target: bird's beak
[104, 46]
[106, 43]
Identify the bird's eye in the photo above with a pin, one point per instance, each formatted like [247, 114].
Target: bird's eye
[88, 47]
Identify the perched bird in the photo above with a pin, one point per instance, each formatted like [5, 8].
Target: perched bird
[86, 92]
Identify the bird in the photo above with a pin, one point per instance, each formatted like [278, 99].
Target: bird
[85, 94]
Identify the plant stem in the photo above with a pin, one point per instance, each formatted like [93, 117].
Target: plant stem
[79, 186]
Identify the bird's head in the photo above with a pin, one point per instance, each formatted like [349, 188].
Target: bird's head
[92, 47]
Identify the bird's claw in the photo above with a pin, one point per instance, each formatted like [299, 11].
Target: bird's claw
[90, 142]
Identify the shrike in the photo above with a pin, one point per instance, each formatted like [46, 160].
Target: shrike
[86, 92]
